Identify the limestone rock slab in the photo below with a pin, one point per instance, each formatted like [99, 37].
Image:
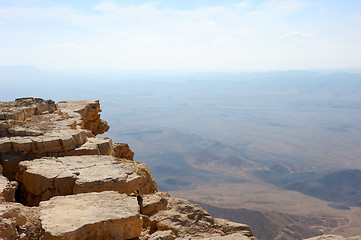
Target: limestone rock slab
[104, 215]
[186, 219]
[33, 128]
[41, 179]
[88, 110]
[22, 108]
[10, 220]
[235, 236]
[162, 235]
[153, 203]
[7, 189]
[94, 146]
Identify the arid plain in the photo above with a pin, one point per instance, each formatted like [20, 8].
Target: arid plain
[276, 150]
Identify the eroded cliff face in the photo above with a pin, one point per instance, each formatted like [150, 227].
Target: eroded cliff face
[59, 181]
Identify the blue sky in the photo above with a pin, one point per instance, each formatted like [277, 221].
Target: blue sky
[206, 35]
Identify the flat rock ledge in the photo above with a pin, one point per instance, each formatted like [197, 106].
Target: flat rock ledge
[105, 215]
[33, 128]
[41, 179]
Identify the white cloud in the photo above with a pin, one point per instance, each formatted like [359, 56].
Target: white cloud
[148, 39]
[299, 36]
[246, 35]
[278, 8]
[67, 45]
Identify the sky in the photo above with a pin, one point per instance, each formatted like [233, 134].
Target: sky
[207, 35]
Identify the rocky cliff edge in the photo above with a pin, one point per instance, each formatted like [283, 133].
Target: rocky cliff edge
[59, 181]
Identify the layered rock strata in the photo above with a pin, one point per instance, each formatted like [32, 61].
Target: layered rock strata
[42, 179]
[85, 187]
[32, 128]
[163, 212]
[105, 215]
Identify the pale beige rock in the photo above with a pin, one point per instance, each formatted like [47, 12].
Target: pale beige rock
[153, 203]
[162, 235]
[94, 146]
[44, 178]
[232, 227]
[7, 189]
[23, 108]
[105, 215]
[89, 114]
[333, 237]
[235, 236]
[122, 150]
[186, 219]
[10, 220]
[33, 128]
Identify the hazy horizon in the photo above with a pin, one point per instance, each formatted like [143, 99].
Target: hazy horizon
[188, 35]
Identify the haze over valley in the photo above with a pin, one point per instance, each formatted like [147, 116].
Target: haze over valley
[282, 146]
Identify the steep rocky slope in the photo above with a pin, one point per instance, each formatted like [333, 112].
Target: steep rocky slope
[59, 181]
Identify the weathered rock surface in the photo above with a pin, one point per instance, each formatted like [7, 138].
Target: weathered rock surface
[235, 236]
[23, 108]
[7, 189]
[333, 237]
[85, 186]
[162, 235]
[185, 219]
[94, 146]
[11, 220]
[105, 215]
[122, 150]
[41, 179]
[32, 128]
[86, 115]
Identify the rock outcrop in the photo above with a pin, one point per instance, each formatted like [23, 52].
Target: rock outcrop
[104, 215]
[163, 212]
[42, 179]
[32, 128]
[84, 187]
[333, 237]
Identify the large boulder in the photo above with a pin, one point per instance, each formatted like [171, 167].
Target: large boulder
[105, 215]
[41, 179]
